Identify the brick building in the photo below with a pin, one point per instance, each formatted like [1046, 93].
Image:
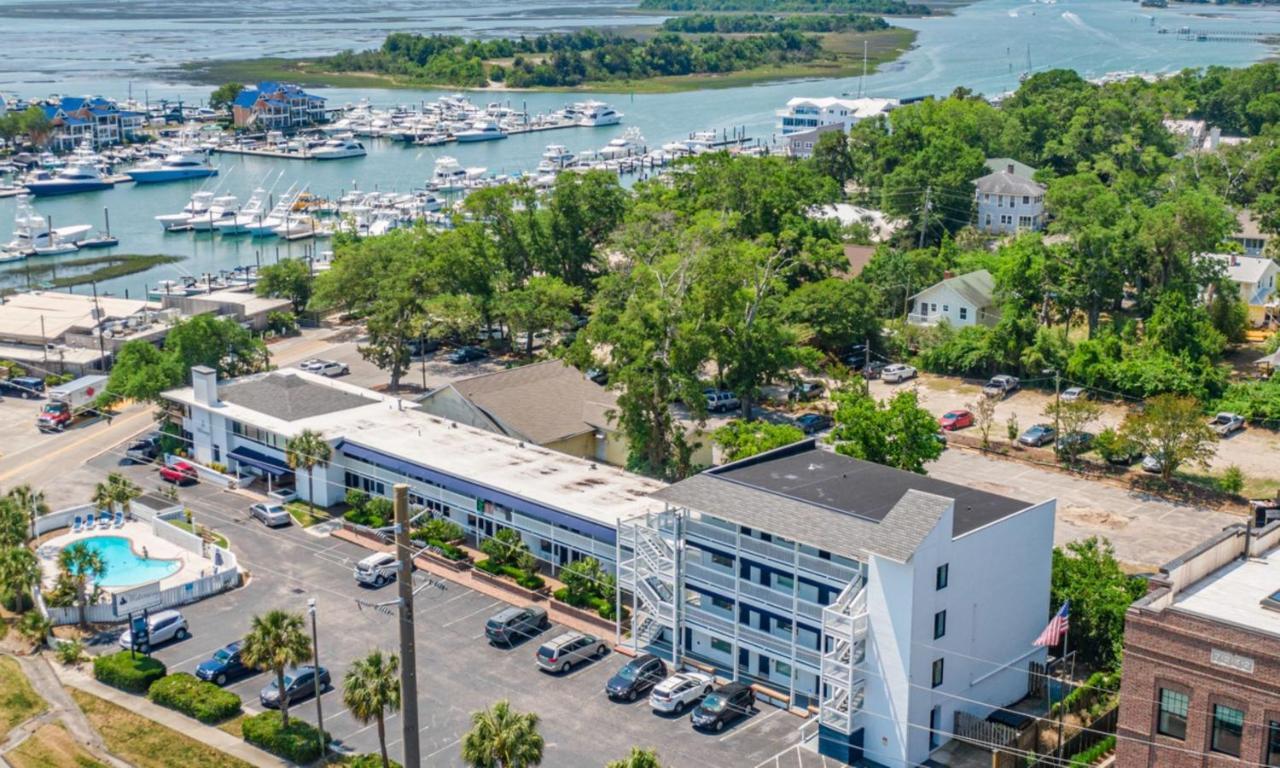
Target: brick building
[1201, 677]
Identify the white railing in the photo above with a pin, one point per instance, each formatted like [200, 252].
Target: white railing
[774, 552]
[697, 529]
[710, 576]
[765, 595]
[841, 573]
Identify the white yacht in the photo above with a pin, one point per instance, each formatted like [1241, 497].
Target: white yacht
[556, 157]
[628, 144]
[253, 209]
[338, 149]
[296, 226]
[449, 175]
[481, 130]
[198, 204]
[74, 177]
[222, 208]
[33, 235]
[593, 114]
[174, 167]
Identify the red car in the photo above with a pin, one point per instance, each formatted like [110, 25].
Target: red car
[180, 473]
[953, 420]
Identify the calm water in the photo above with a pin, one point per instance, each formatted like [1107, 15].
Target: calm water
[124, 568]
[984, 46]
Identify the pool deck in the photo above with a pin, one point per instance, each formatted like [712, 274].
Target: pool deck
[140, 534]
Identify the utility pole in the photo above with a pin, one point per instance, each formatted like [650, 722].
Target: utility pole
[102, 348]
[924, 216]
[408, 657]
[315, 678]
[1057, 410]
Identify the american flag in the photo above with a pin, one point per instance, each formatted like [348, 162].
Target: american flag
[1057, 628]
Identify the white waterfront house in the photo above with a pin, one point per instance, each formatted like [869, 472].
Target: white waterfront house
[1009, 200]
[959, 299]
[892, 603]
[1258, 281]
[804, 113]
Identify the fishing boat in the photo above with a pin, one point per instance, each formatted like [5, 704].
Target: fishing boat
[555, 158]
[449, 175]
[628, 144]
[32, 232]
[54, 245]
[221, 208]
[72, 178]
[102, 238]
[174, 167]
[176, 222]
[250, 212]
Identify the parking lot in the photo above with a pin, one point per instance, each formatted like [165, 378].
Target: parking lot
[458, 671]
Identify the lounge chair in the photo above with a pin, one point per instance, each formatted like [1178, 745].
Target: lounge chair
[119, 519]
[104, 520]
[90, 522]
[77, 524]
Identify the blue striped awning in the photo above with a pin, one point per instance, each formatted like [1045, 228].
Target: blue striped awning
[268, 464]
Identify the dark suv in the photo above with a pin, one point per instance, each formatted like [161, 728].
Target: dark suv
[513, 625]
[635, 677]
[729, 702]
[27, 387]
[225, 665]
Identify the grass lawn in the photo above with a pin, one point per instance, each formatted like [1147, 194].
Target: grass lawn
[145, 743]
[18, 702]
[51, 747]
[303, 516]
[232, 726]
[218, 538]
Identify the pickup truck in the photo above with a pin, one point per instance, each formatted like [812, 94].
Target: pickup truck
[1001, 385]
[1226, 423]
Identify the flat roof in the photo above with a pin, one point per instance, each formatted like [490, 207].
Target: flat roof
[49, 315]
[1235, 593]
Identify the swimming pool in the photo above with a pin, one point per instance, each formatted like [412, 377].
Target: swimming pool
[124, 568]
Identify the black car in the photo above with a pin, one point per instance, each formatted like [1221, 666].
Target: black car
[420, 347]
[728, 703]
[144, 450]
[467, 355]
[27, 387]
[635, 677]
[856, 357]
[224, 666]
[298, 684]
[813, 422]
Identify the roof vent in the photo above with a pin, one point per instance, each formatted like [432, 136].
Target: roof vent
[593, 465]
[1009, 168]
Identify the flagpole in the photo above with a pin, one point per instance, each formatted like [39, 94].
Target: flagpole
[1062, 687]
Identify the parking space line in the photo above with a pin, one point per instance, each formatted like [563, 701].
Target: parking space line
[458, 596]
[754, 721]
[473, 613]
[450, 745]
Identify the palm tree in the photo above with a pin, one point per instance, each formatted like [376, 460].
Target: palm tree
[79, 562]
[123, 491]
[103, 496]
[500, 737]
[639, 758]
[276, 640]
[370, 689]
[13, 523]
[19, 572]
[308, 450]
[31, 502]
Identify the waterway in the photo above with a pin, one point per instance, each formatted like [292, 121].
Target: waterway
[86, 49]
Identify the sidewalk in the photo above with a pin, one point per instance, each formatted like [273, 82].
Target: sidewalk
[207, 734]
[62, 709]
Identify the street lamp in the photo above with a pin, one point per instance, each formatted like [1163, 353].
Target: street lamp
[315, 678]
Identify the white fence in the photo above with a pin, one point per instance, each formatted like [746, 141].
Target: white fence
[161, 527]
[206, 474]
[63, 518]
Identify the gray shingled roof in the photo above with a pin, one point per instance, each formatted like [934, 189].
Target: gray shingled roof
[284, 395]
[835, 502]
[1004, 183]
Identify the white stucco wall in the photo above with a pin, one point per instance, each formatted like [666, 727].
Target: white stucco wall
[944, 304]
[991, 207]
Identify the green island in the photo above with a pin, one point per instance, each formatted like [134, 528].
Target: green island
[82, 271]
[887, 7]
[686, 53]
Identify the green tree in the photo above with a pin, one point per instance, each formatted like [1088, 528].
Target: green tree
[741, 439]
[217, 342]
[142, 372]
[79, 564]
[14, 523]
[504, 547]
[308, 450]
[584, 579]
[276, 641]
[832, 159]
[1174, 430]
[639, 758]
[1087, 575]
[501, 737]
[1072, 417]
[583, 211]
[116, 492]
[224, 95]
[29, 502]
[19, 573]
[543, 303]
[834, 314]
[286, 279]
[371, 687]
[897, 432]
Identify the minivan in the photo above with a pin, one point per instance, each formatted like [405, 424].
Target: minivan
[566, 651]
[512, 625]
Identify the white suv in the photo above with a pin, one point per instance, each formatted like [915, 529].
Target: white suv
[329, 368]
[897, 372]
[376, 569]
[680, 691]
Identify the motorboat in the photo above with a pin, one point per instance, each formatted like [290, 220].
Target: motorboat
[72, 178]
[296, 227]
[628, 144]
[481, 130]
[53, 245]
[595, 114]
[555, 158]
[449, 175]
[253, 209]
[222, 207]
[32, 232]
[174, 167]
[337, 149]
[181, 221]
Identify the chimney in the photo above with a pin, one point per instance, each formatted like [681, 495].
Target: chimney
[1009, 168]
[947, 274]
[204, 384]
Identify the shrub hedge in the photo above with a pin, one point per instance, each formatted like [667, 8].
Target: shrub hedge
[372, 760]
[527, 580]
[298, 743]
[134, 675]
[1093, 754]
[605, 608]
[194, 697]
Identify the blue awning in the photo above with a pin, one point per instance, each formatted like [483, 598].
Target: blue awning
[268, 464]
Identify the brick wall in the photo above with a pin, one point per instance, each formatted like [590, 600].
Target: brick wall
[1168, 649]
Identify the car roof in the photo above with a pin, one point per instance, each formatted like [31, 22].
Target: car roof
[566, 637]
[733, 687]
[378, 557]
[165, 614]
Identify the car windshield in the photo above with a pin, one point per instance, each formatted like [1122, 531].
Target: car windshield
[222, 656]
[715, 703]
[953, 415]
[627, 673]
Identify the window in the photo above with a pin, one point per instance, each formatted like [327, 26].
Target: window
[939, 624]
[988, 219]
[784, 583]
[722, 646]
[940, 580]
[946, 308]
[999, 201]
[782, 669]
[937, 672]
[933, 307]
[964, 313]
[1228, 727]
[1273, 743]
[1026, 199]
[721, 560]
[722, 604]
[1172, 719]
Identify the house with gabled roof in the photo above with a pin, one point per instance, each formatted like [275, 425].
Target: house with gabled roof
[276, 106]
[99, 122]
[1009, 199]
[959, 299]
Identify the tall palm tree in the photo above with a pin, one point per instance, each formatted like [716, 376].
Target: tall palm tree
[31, 502]
[104, 498]
[19, 572]
[13, 523]
[123, 491]
[308, 450]
[639, 758]
[500, 737]
[371, 687]
[277, 640]
[79, 563]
